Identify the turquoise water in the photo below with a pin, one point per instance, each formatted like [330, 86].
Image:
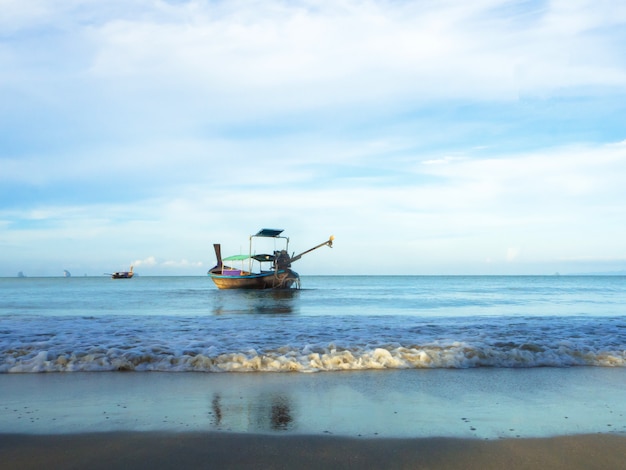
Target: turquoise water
[333, 323]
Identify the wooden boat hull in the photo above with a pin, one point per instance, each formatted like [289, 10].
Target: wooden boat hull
[283, 279]
[123, 275]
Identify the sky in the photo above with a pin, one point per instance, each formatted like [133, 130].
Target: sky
[430, 137]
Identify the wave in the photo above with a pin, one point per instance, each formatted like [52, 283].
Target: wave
[457, 355]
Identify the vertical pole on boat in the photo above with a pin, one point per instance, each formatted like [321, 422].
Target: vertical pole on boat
[250, 256]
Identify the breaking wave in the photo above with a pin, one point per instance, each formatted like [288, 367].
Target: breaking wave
[289, 359]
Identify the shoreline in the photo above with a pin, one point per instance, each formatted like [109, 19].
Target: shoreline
[160, 450]
[469, 403]
[472, 419]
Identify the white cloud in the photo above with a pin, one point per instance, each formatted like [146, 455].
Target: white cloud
[269, 57]
[512, 254]
[149, 261]
[556, 204]
[273, 54]
[183, 263]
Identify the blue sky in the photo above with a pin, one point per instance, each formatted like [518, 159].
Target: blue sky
[430, 137]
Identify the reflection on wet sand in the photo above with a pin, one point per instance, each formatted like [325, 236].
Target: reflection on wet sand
[227, 302]
[266, 413]
[217, 410]
[281, 414]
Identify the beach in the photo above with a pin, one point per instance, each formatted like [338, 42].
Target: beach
[350, 372]
[481, 418]
[226, 451]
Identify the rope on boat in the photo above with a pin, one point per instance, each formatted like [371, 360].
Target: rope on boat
[281, 279]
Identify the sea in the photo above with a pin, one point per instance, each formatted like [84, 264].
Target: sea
[480, 357]
[333, 323]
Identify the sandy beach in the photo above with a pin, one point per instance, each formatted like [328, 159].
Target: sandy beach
[484, 418]
[225, 451]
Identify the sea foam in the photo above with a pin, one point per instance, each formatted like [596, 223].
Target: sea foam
[456, 355]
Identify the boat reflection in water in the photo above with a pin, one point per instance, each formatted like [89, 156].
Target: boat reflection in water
[267, 301]
[271, 412]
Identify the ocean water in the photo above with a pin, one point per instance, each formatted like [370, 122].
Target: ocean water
[334, 323]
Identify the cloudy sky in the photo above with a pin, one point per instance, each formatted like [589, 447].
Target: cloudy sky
[429, 136]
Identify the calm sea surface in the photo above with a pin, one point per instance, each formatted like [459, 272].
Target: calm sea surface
[332, 323]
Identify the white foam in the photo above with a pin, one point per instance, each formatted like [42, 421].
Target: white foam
[304, 344]
[456, 355]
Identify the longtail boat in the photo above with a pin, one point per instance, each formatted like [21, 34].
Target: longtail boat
[123, 274]
[274, 270]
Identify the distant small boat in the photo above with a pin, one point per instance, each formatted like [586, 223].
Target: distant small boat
[278, 276]
[122, 274]
[66, 273]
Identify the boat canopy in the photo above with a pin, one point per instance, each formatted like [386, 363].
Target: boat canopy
[261, 258]
[237, 258]
[254, 257]
[268, 232]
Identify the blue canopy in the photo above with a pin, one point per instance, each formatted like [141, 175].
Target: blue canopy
[268, 232]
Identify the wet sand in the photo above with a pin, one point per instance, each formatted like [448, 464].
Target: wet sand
[484, 418]
[225, 451]
[473, 403]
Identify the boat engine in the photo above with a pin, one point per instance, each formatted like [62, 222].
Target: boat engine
[282, 260]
